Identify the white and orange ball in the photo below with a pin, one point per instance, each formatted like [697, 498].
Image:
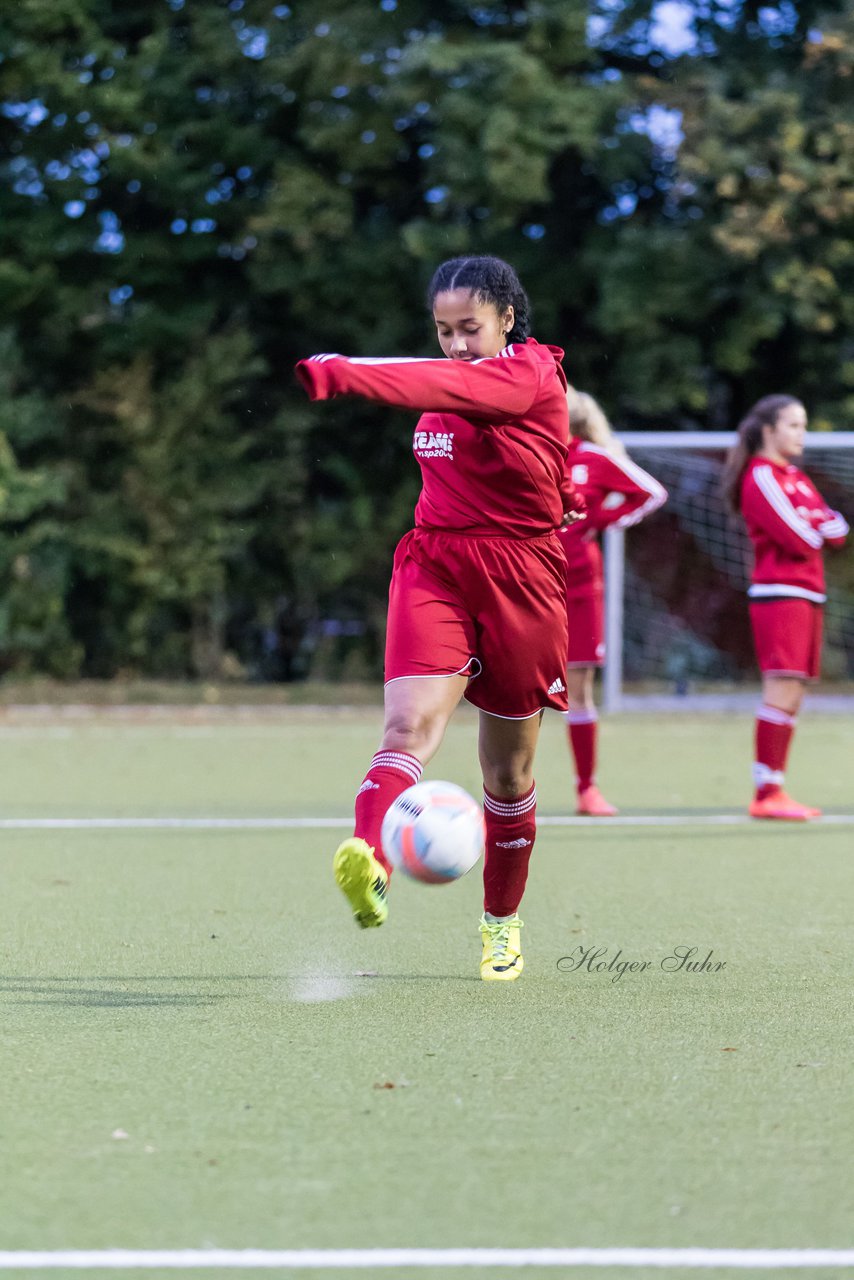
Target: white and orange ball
[434, 832]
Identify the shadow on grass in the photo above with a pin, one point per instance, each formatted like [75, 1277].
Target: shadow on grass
[422, 977]
[102, 992]
[97, 992]
[29, 992]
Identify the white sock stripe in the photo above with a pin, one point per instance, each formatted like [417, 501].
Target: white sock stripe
[402, 758]
[581, 717]
[764, 776]
[399, 760]
[774, 715]
[509, 812]
[510, 808]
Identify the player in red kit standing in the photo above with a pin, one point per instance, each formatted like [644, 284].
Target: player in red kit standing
[789, 524]
[616, 492]
[476, 603]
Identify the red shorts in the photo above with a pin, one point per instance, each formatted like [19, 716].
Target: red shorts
[585, 618]
[787, 636]
[490, 608]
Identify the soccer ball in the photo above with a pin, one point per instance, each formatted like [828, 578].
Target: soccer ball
[434, 832]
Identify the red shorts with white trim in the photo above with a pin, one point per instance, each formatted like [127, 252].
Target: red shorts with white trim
[585, 619]
[490, 608]
[787, 635]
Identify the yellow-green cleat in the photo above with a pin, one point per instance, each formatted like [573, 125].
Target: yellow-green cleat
[363, 881]
[502, 958]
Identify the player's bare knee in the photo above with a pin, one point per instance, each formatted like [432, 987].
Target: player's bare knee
[509, 782]
[416, 734]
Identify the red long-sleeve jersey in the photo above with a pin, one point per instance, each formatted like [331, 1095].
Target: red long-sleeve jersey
[789, 523]
[616, 491]
[492, 440]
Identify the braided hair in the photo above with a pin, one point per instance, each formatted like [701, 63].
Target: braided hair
[489, 280]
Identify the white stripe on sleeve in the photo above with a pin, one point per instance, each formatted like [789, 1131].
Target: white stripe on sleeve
[767, 485]
[395, 359]
[657, 492]
[835, 527]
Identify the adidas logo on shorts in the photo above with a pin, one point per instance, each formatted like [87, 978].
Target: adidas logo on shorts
[557, 686]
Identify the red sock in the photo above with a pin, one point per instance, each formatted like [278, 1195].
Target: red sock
[582, 726]
[774, 729]
[510, 830]
[390, 773]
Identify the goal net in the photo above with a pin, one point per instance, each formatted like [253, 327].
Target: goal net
[676, 607]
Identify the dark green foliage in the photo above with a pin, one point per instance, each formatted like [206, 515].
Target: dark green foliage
[196, 193]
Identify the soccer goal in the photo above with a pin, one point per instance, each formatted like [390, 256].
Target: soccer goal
[676, 618]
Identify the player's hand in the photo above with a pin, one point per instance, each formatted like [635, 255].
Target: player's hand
[572, 517]
[576, 511]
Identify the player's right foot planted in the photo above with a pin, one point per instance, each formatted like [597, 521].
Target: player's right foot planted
[781, 806]
[363, 880]
[592, 804]
[501, 960]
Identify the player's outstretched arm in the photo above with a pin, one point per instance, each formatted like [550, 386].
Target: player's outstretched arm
[505, 384]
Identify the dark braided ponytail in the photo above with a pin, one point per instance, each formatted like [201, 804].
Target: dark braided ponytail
[488, 280]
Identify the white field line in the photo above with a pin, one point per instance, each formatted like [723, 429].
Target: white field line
[371, 1259]
[326, 824]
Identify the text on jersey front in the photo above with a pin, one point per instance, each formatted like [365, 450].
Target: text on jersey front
[433, 444]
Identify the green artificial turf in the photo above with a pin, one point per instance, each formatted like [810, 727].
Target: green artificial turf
[310, 761]
[199, 1049]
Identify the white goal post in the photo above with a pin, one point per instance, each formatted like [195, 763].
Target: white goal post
[656, 633]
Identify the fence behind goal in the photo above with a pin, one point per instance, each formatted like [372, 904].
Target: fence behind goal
[676, 616]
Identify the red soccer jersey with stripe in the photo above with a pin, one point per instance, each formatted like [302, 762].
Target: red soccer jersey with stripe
[789, 523]
[492, 440]
[616, 491]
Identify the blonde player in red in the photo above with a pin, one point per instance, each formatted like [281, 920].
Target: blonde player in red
[616, 492]
[476, 603]
[789, 524]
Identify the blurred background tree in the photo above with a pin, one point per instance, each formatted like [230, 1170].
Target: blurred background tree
[196, 193]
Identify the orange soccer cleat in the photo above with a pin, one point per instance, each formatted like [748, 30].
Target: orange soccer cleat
[592, 804]
[781, 806]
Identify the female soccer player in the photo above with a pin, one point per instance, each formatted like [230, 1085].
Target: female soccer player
[615, 492]
[789, 524]
[476, 603]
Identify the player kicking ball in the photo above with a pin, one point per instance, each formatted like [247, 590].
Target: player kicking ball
[477, 596]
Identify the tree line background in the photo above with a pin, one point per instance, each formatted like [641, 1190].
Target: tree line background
[196, 193]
